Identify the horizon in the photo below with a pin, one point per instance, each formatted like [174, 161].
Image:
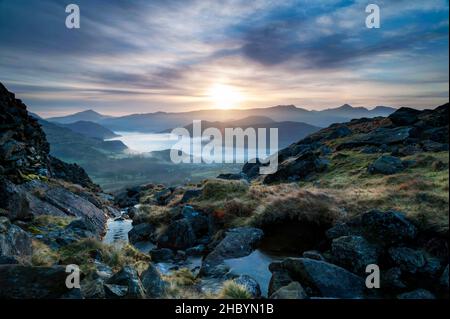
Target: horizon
[180, 56]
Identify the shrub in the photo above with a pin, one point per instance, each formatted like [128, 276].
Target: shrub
[232, 290]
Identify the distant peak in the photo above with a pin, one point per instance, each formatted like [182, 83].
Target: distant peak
[345, 106]
[286, 107]
[90, 111]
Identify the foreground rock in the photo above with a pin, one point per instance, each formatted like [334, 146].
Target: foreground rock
[26, 282]
[178, 235]
[238, 242]
[322, 279]
[125, 284]
[14, 242]
[292, 291]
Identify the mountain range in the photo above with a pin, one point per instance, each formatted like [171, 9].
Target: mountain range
[160, 121]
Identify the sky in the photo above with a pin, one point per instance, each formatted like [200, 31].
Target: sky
[145, 56]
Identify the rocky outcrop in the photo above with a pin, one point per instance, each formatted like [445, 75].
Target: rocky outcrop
[27, 282]
[125, 284]
[153, 284]
[291, 291]
[405, 132]
[72, 173]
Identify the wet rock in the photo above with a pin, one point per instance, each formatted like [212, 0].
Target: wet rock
[141, 232]
[199, 223]
[14, 242]
[126, 277]
[161, 255]
[280, 278]
[198, 250]
[178, 235]
[407, 259]
[417, 294]
[113, 291]
[238, 242]
[291, 291]
[386, 165]
[29, 282]
[325, 279]
[152, 282]
[102, 271]
[353, 253]
[250, 284]
[313, 254]
[94, 289]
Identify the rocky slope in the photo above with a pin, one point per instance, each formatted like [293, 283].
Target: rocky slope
[43, 201]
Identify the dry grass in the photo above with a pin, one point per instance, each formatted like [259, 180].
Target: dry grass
[43, 255]
[421, 191]
[232, 290]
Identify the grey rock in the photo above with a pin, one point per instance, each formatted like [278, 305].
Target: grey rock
[407, 259]
[29, 282]
[280, 278]
[386, 165]
[178, 235]
[392, 279]
[250, 284]
[325, 279]
[291, 291]
[354, 253]
[313, 254]
[127, 277]
[14, 242]
[152, 282]
[417, 294]
[141, 232]
[238, 242]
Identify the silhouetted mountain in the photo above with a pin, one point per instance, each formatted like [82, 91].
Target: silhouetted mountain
[75, 147]
[88, 115]
[91, 129]
[159, 121]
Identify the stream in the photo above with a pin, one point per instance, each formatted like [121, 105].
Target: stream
[255, 265]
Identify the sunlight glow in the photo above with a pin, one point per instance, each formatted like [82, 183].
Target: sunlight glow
[225, 96]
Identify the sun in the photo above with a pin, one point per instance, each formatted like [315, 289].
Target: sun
[225, 96]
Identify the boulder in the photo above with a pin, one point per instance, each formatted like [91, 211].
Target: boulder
[199, 223]
[291, 291]
[178, 235]
[238, 242]
[409, 260]
[386, 165]
[313, 254]
[404, 116]
[417, 294]
[152, 282]
[14, 242]
[113, 291]
[354, 253]
[141, 232]
[28, 282]
[126, 277]
[325, 279]
[280, 278]
[250, 284]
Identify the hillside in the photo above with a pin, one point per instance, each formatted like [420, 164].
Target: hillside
[91, 129]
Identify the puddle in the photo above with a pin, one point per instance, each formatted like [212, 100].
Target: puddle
[256, 265]
[117, 231]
